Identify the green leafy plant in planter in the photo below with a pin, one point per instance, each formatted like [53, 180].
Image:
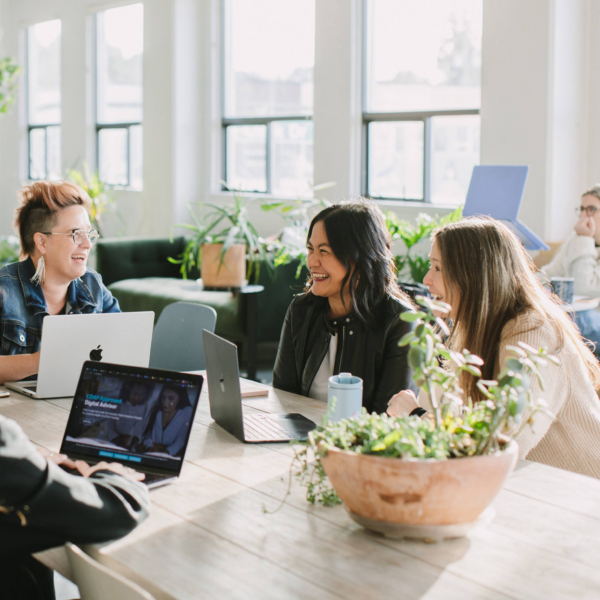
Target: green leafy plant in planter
[9, 71]
[221, 224]
[10, 249]
[416, 266]
[454, 429]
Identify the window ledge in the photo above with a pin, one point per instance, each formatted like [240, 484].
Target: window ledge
[417, 205]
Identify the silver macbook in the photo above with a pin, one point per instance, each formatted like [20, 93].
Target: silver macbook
[225, 399]
[69, 340]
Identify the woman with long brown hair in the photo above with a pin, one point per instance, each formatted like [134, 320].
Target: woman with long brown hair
[480, 268]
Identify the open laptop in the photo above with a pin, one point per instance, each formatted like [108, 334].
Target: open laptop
[225, 398]
[116, 416]
[69, 340]
[497, 191]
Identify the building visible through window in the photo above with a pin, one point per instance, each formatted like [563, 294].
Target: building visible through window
[268, 60]
[119, 95]
[44, 100]
[423, 95]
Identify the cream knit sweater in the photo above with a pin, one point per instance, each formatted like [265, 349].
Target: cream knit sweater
[572, 440]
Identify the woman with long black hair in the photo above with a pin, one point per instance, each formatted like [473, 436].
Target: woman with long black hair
[347, 320]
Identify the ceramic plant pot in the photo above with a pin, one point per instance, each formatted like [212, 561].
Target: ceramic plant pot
[231, 272]
[393, 495]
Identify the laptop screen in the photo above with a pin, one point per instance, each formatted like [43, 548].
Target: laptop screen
[132, 415]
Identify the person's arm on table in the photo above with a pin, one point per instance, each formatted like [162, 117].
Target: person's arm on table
[15, 367]
[42, 506]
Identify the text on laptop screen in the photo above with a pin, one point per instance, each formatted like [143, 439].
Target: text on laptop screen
[138, 417]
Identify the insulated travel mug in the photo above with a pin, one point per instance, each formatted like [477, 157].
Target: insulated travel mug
[347, 390]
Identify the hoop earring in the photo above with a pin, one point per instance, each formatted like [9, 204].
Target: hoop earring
[39, 277]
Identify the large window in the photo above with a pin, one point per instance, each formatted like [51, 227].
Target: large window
[268, 60]
[44, 100]
[119, 93]
[422, 98]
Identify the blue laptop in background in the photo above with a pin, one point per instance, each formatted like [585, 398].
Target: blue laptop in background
[497, 191]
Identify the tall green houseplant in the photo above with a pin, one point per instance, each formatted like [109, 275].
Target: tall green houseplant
[221, 224]
[410, 264]
[9, 71]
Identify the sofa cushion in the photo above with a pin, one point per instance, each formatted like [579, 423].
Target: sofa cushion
[154, 293]
[129, 258]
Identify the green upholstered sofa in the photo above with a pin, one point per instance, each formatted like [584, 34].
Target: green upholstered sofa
[137, 272]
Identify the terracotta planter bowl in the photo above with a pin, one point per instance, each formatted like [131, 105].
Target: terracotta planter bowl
[231, 273]
[418, 492]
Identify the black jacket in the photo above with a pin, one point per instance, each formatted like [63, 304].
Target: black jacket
[42, 506]
[371, 353]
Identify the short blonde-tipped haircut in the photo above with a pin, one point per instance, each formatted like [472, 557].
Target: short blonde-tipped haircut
[39, 204]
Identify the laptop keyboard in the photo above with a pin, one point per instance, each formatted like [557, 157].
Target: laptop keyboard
[152, 478]
[262, 427]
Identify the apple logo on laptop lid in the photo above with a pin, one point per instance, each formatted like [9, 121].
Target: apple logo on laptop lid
[96, 354]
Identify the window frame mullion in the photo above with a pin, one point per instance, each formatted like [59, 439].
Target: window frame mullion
[268, 167]
[127, 127]
[413, 116]
[427, 160]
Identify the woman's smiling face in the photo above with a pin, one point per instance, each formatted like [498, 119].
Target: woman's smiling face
[326, 270]
[434, 280]
[66, 260]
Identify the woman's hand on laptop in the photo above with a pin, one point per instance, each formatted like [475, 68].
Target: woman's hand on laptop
[57, 458]
[127, 472]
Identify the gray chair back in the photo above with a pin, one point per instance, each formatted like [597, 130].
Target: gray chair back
[177, 339]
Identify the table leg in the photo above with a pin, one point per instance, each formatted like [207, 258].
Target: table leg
[251, 318]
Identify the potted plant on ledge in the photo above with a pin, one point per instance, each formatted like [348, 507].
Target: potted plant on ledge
[427, 477]
[219, 244]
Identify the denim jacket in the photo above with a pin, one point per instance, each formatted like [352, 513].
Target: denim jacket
[23, 306]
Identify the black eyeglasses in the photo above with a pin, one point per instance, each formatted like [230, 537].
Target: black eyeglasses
[590, 211]
[78, 235]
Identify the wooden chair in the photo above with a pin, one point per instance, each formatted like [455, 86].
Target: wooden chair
[97, 582]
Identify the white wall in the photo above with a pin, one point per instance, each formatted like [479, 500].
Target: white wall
[593, 98]
[539, 57]
[539, 91]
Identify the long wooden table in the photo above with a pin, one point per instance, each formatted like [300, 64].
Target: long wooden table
[211, 534]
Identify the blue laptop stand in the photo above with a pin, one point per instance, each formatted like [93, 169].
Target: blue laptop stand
[497, 191]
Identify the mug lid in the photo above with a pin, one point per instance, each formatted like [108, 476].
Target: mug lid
[345, 380]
